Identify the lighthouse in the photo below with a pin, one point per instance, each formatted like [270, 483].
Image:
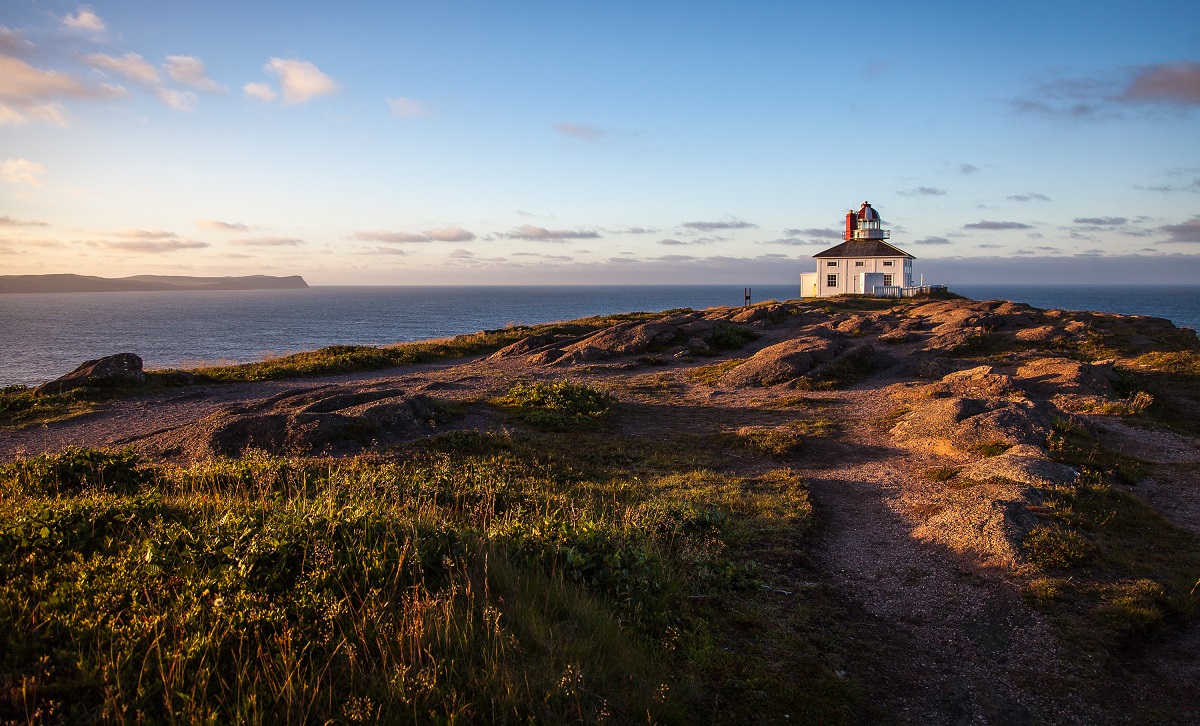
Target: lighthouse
[864, 224]
[863, 264]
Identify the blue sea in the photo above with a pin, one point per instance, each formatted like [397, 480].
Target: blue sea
[43, 336]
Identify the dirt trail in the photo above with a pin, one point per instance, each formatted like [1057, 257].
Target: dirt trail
[945, 641]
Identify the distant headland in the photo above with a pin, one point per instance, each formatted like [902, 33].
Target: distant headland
[139, 283]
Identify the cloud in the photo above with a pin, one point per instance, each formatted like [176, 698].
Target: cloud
[1029, 197]
[1172, 83]
[176, 99]
[671, 242]
[1189, 231]
[220, 226]
[876, 68]
[131, 66]
[583, 132]
[300, 81]
[461, 254]
[1108, 95]
[710, 226]
[814, 232]
[1090, 253]
[403, 107]
[22, 171]
[149, 246]
[7, 221]
[967, 168]
[12, 42]
[190, 71]
[675, 258]
[84, 19]
[985, 224]
[633, 230]
[260, 92]
[796, 241]
[30, 94]
[1101, 221]
[932, 241]
[988, 246]
[449, 234]
[138, 233]
[384, 251]
[268, 242]
[922, 192]
[530, 232]
[445, 234]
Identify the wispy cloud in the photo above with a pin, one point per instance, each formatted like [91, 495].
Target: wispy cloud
[220, 226]
[1111, 94]
[268, 242]
[149, 245]
[932, 241]
[1101, 221]
[922, 192]
[404, 107]
[130, 66]
[814, 232]
[633, 230]
[1189, 231]
[7, 221]
[29, 94]
[190, 71]
[967, 168]
[1028, 197]
[1171, 83]
[582, 132]
[444, 234]
[22, 171]
[796, 242]
[12, 42]
[986, 224]
[260, 92]
[530, 232]
[712, 226]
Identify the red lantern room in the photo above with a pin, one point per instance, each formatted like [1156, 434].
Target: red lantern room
[864, 224]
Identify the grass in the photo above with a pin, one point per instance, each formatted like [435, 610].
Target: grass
[991, 448]
[478, 577]
[558, 405]
[711, 375]
[1110, 569]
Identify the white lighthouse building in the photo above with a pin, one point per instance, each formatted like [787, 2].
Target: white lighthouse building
[863, 262]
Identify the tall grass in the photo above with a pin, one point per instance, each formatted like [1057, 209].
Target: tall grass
[476, 579]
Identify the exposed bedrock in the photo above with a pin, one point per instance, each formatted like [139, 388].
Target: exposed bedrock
[303, 423]
[112, 370]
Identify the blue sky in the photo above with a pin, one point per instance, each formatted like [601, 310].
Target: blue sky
[529, 142]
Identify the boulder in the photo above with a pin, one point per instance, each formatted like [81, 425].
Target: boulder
[783, 362]
[112, 370]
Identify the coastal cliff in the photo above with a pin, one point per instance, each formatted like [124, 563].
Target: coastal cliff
[143, 283]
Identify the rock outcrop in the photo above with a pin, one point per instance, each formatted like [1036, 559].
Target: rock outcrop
[112, 370]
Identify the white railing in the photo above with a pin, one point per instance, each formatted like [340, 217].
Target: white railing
[898, 291]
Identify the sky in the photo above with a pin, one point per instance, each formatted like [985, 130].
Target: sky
[611, 142]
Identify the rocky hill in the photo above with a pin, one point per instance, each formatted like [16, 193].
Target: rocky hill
[1004, 524]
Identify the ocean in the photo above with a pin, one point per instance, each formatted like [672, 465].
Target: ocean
[43, 336]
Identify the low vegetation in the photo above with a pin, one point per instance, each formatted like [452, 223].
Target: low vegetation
[476, 577]
[1108, 567]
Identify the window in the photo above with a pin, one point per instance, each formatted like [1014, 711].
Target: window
[887, 263]
[831, 264]
[858, 264]
[887, 280]
[831, 281]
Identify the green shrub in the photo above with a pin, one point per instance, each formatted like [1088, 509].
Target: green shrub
[558, 405]
[74, 470]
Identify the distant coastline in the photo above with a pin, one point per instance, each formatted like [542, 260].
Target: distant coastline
[144, 283]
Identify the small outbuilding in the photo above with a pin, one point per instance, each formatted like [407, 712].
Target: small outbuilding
[862, 264]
